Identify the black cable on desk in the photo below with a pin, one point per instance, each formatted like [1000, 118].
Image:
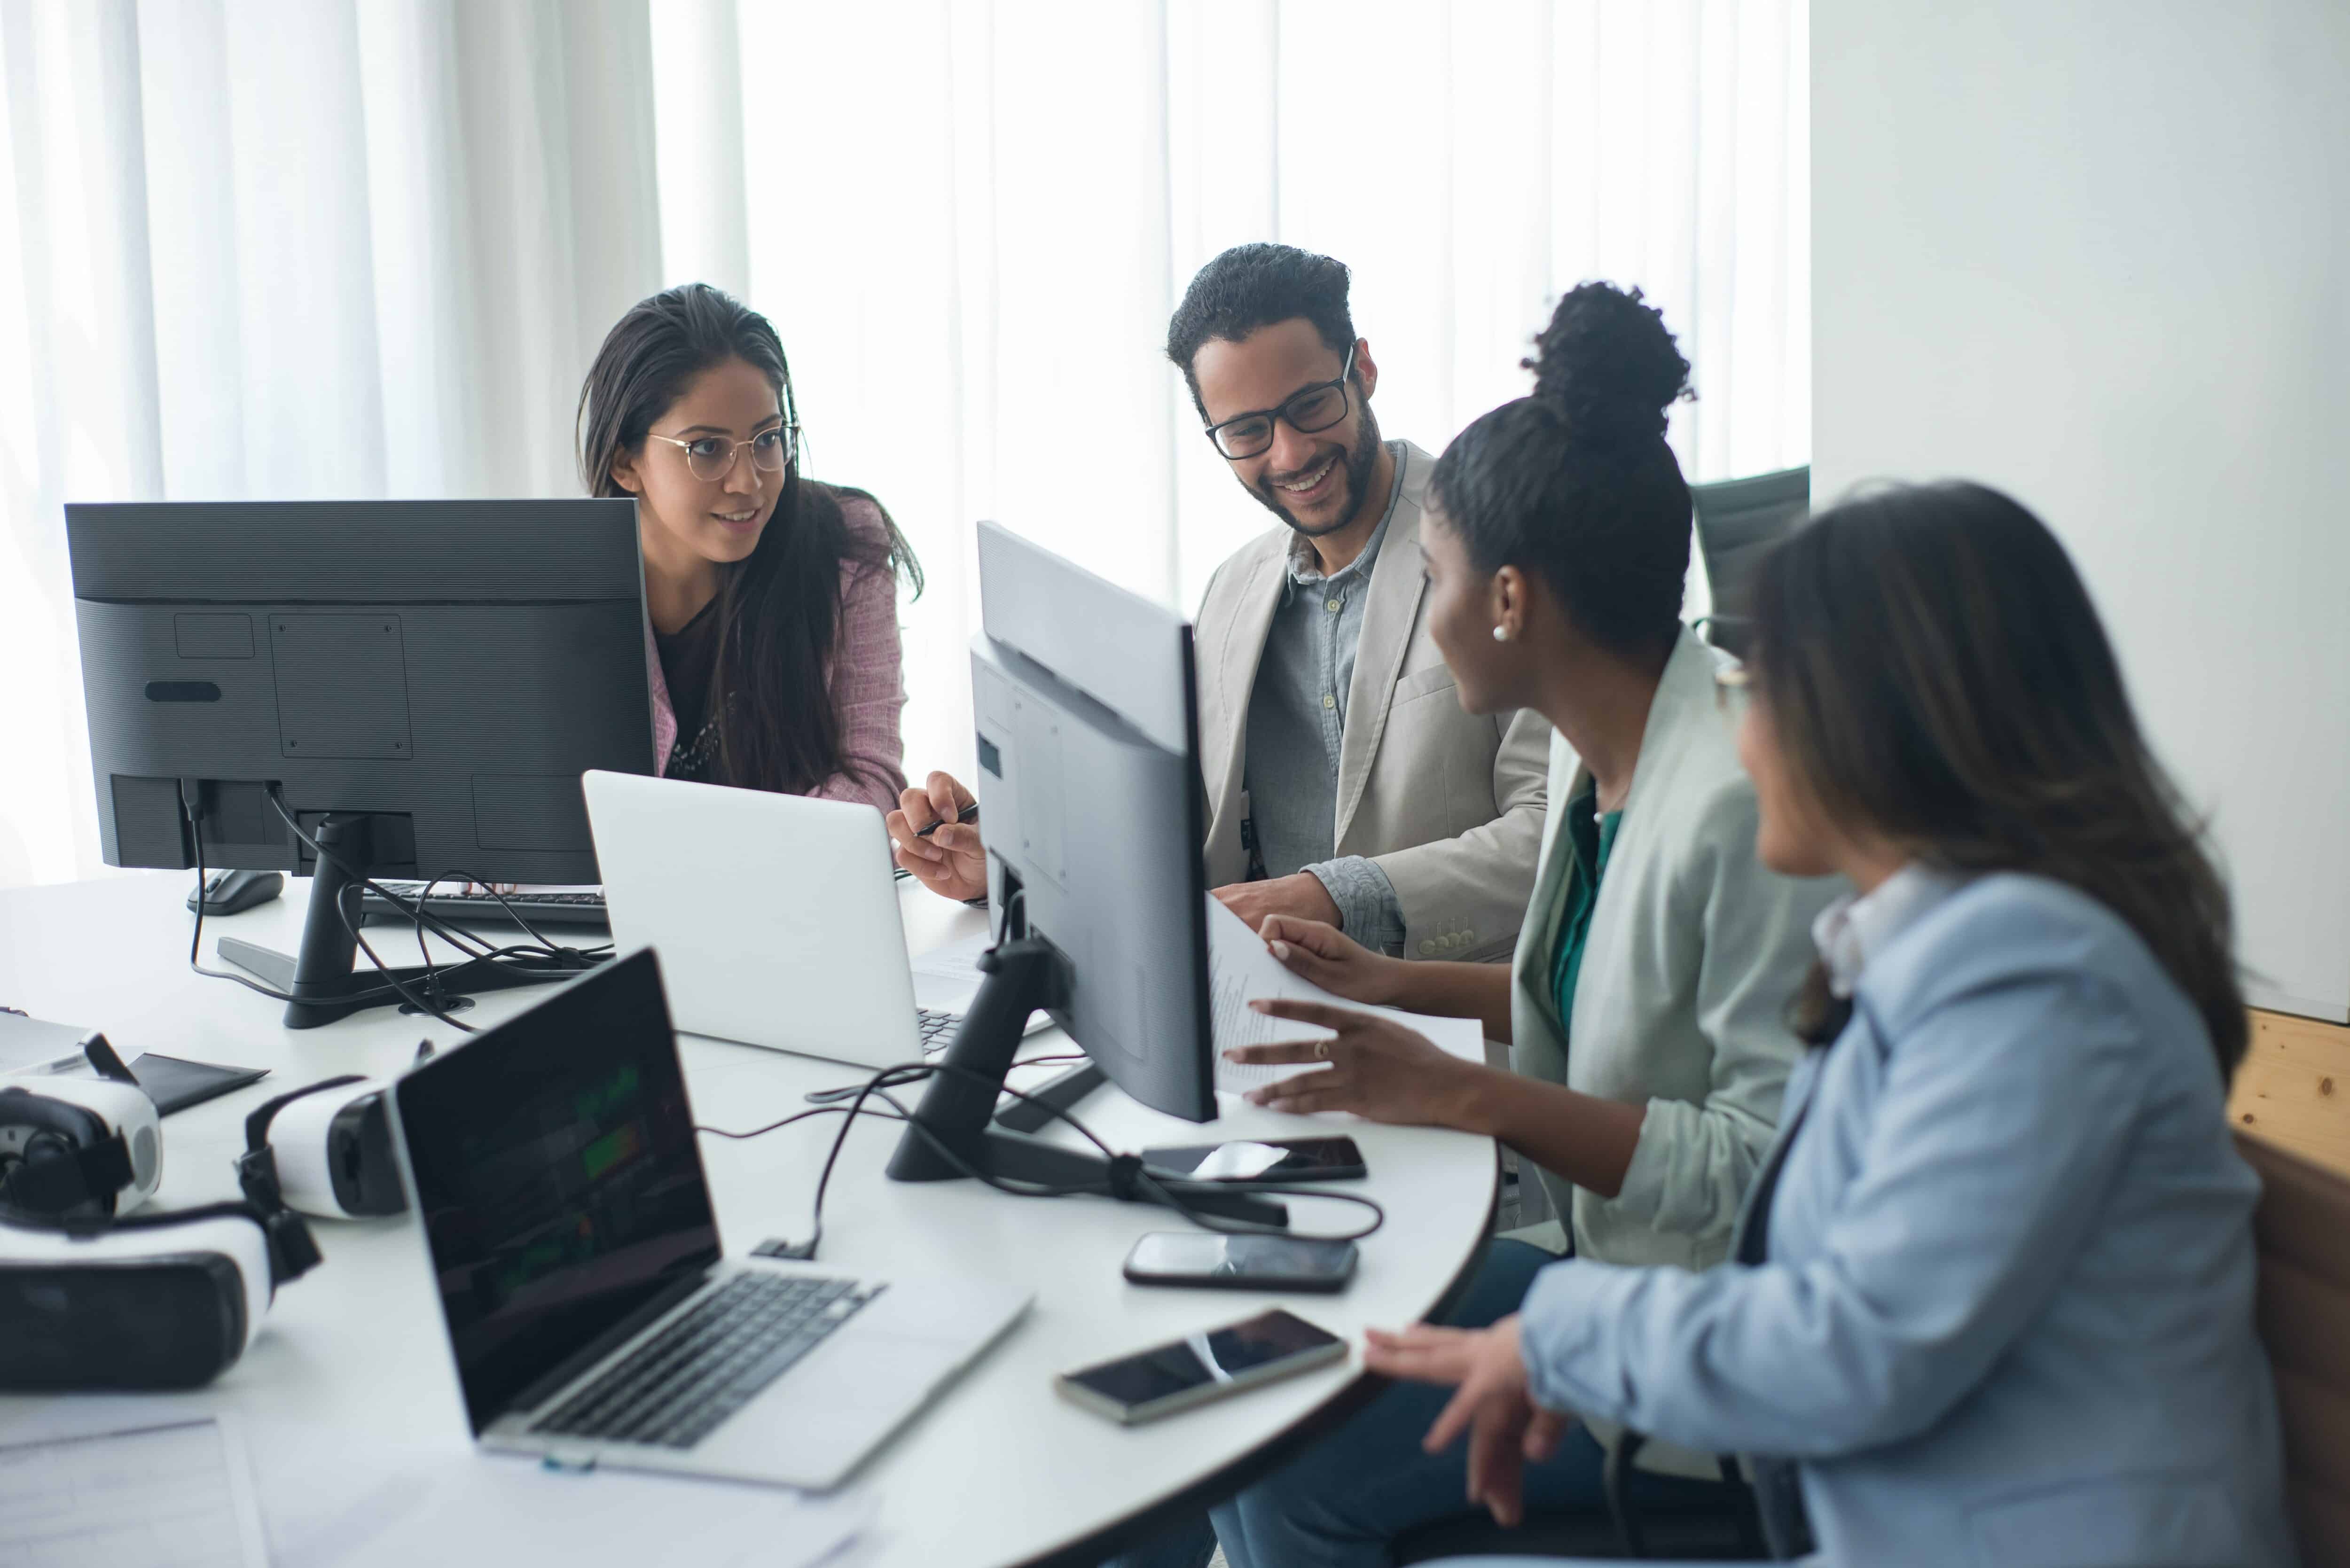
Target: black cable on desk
[530, 960]
[557, 949]
[848, 1090]
[193, 821]
[1167, 1190]
[196, 940]
[795, 1116]
[509, 957]
[432, 977]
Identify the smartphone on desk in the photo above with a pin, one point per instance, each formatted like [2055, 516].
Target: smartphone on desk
[1204, 1258]
[1274, 1160]
[1201, 1367]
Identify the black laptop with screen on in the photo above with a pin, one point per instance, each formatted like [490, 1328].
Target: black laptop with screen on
[591, 1312]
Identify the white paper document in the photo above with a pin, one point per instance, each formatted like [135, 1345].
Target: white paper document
[1242, 969]
[955, 963]
[354, 1506]
[171, 1495]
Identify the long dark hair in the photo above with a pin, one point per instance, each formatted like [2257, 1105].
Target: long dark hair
[1934, 669]
[1575, 483]
[779, 609]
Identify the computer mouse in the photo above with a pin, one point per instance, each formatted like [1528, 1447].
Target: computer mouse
[231, 892]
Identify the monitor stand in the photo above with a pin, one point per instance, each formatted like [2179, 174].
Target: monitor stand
[1024, 975]
[320, 980]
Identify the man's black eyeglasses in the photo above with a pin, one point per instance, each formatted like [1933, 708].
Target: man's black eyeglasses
[1316, 408]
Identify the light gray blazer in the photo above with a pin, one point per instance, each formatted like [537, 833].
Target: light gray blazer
[1448, 804]
[1693, 952]
[2005, 1314]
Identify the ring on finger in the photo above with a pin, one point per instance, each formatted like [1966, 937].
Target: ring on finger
[1322, 1049]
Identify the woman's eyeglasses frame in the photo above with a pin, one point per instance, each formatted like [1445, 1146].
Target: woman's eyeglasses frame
[783, 449]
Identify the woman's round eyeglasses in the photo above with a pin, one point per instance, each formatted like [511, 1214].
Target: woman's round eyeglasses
[713, 457]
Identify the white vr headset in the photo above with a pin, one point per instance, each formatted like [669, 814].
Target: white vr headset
[156, 1300]
[94, 1297]
[327, 1148]
[81, 1147]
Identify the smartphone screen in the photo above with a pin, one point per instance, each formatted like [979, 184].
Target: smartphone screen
[1289, 1159]
[1273, 1262]
[1221, 1355]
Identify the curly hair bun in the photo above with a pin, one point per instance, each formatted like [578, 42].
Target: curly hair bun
[1607, 363]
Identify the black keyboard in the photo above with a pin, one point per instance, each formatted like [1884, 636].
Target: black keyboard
[451, 902]
[710, 1362]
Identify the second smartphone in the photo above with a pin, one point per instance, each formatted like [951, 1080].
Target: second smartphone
[1240, 1263]
[1192, 1371]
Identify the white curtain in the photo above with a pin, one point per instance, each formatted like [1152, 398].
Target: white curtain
[288, 248]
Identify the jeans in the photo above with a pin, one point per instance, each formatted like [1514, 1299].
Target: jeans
[1341, 1501]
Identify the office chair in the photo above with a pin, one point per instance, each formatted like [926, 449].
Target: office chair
[1737, 519]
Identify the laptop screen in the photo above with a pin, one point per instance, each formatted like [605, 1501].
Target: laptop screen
[557, 1178]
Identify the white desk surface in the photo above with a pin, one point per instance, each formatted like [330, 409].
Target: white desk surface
[1001, 1470]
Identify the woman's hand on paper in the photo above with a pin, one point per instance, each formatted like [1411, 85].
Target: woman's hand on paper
[1378, 1069]
[1321, 953]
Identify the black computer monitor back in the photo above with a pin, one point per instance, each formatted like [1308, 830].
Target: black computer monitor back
[450, 668]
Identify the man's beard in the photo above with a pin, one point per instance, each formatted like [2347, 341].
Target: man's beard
[1357, 464]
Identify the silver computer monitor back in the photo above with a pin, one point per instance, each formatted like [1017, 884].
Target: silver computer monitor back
[1086, 710]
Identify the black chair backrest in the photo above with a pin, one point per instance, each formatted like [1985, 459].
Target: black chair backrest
[1737, 519]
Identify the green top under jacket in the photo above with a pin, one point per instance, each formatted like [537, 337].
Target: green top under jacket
[1590, 836]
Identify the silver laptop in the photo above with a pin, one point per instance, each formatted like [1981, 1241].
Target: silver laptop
[776, 916]
[592, 1314]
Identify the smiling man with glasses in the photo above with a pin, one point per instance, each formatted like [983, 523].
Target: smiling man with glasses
[1345, 782]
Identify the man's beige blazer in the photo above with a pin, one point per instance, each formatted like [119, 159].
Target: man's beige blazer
[1448, 804]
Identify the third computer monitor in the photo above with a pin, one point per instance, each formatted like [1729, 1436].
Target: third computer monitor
[1086, 713]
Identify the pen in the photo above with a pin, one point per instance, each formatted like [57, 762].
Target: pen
[968, 814]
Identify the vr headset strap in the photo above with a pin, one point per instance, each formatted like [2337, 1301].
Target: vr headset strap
[102, 1055]
[256, 1126]
[293, 1250]
[256, 1167]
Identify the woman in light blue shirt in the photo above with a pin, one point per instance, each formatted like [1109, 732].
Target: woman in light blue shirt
[1991, 1300]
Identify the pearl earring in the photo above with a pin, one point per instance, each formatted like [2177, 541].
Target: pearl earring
[1500, 634]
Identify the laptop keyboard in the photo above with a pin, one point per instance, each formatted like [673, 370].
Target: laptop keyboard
[938, 1028]
[710, 1362]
